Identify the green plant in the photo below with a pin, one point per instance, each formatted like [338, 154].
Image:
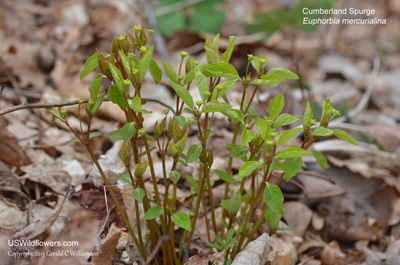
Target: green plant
[255, 142]
[197, 16]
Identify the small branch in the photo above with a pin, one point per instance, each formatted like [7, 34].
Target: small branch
[159, 243]
[62, 104]
[367, 95]
[175, 7]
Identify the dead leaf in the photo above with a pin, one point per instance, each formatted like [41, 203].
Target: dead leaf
[83, 228]
[256, 252]
[207, 259]
[298, 216]
[283, 249]
[10, 152]
[107, 250]
[35, 229]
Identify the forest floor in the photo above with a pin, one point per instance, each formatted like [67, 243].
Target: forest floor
[347, 214]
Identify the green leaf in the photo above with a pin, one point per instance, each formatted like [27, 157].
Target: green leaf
[170, 72]
[172, 149]
[94, 87]
[193, 153]
[117, 76]
[234, 114]
[226, 86]
[154, 212]
[224, 176]
[226, 56]
[189, 77]
[91, 135]
[247, 136]
[201, 81]
[267, 80]
[235, 202]
[181, 120]
[272, 219]
[211, 55]
[125, 177]
[135, 104]
[116, 135]
[215, 106]
[229, 235]
[90, 65]
[220, 69]
[248, 167]
[308, 116]
[183, 94]
[144, 63]
[127, 131]
[256, 63]
[285, 119]
[273, 165]
[125, 62]
[344, 136]
[141, 168]
[292, 166]
[212, 49]
[155, 71]
[320, 159]
[56, 114]
[237, 151]
[233, 205]
[282, 73]
[138, 194]
[322, 131]
[97, 103]
[205, 10]
[181, 164]
[181, 143]
[292, 151]
[287, 135]
[274, 198]
[182, 220]
[263, 128]
[276, 106]
[192, 182]
[170, 22]
[326, 110]
[215, 246]
[174, 176]
[116, 97]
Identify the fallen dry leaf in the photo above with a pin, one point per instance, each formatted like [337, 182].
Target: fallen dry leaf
[207, 259]
[298, 216]
[256, 252]
[107, 250]
[36, 229]
[10, 152]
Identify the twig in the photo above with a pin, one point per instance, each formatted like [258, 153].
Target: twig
[186, 253]
[157, 247]
[158, 38]
[174, 7]
[67, 103]
[363, 102]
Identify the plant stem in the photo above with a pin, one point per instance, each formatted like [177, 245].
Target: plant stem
[257, 225]
[121, 212]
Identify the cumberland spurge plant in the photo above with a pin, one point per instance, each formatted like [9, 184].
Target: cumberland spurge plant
[256, 142]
